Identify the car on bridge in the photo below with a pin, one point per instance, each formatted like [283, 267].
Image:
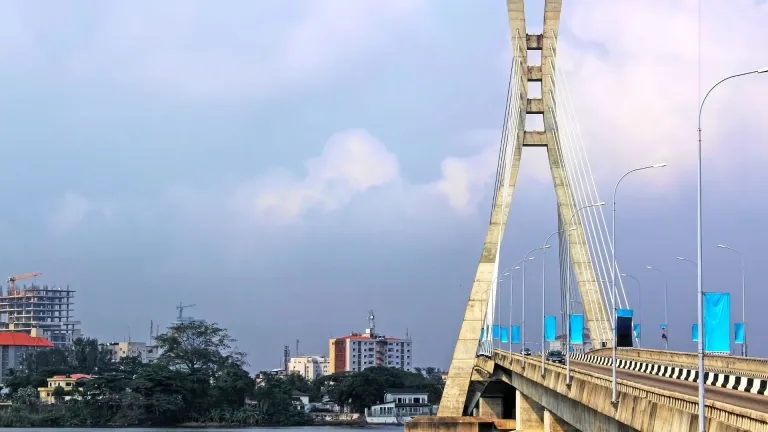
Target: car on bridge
[556, 356]
[525, 351]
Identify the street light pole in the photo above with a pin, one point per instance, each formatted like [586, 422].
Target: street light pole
[523, 315]
[568, 299]
[666, 323]
[700, 291]
[639, 307]
[544, 296]
[743, 297]
[511, 296]
[614, 269]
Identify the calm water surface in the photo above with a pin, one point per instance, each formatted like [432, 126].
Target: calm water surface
[261, 429]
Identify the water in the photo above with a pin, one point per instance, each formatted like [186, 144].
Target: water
[260, 429]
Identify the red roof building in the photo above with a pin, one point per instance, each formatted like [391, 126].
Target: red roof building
[13, 345]
[12, 338]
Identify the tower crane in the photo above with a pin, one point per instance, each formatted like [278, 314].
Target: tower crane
[12, 281]
[181, 308]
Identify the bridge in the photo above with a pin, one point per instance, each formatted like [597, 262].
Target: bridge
[614, 387]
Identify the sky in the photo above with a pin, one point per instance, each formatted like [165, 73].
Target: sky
[287, 166]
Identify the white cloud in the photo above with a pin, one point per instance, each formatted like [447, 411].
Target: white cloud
[206, 49]
[465, 180]
[351, 163]
[72, 210]
[634, 81]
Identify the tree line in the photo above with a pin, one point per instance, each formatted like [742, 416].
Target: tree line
[199, 377]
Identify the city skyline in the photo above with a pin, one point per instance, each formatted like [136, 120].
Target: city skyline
[157, 157]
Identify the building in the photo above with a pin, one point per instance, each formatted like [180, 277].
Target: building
[310, 367]
[47, 309]
[300, 400]
[399, 406]
[13, 345]
[357, 352]
[145, 353]
[67, 382]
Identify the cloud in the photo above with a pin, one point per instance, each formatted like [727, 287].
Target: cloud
[72, 210]
[465, 180]
[204, 49]
[635, 90]
[351, 163]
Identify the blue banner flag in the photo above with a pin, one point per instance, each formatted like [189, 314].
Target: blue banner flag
[550, 327]
[624, 312]
[495, 331]
[515, 334]
[637, 331]
[738, 329]
[717, 322]
[482, 333]
[577, 328]
[505, 334]
[695, 332]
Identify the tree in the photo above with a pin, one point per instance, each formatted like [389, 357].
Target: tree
[58, 394]
[196, 347]
[26, 396]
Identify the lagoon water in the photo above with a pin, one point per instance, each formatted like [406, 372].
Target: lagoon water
[260, 429]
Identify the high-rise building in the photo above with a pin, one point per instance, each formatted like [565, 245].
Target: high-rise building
[356, 352]
[40, 311]
[310, 367]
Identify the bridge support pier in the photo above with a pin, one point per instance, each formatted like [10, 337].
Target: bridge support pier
[553, 423]
[529, 413]
[491, 407]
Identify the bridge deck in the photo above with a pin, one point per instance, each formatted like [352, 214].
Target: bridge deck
[732, 397]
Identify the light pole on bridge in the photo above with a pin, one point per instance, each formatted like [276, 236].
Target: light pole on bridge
[666, 323]
[614, 270]
[568, 298]
[743, 297]
[544, 296]
[511, 297]
[700, 291]
[526, 259]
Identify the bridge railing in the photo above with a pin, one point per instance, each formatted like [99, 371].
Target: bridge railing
[599, 396]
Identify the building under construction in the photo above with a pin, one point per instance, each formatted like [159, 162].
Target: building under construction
[39, 311]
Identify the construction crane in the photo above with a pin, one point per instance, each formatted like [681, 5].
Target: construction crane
[181, 308]
[12, 281]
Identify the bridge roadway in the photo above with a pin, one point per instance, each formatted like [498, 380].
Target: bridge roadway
[737, 398]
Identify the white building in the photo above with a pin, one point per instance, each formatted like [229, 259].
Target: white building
[145, 353]
[357, 352]
[399, 406]
[310, 367]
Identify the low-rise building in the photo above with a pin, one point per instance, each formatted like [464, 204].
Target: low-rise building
[145, 353]
[13, 345]
[310, 367]
[67, 382]
[399, 406]
[300, 400]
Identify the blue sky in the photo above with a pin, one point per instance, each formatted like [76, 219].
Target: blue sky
[287, 168]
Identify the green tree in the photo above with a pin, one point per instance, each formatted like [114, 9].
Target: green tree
[196, 347]
[26, 396]
[58, 394]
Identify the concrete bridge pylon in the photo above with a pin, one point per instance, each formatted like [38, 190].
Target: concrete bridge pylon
[520, 106]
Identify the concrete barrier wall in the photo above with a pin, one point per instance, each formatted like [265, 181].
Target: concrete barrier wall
[661, 410]
[729, 381]
[745, 366]
[586, 403]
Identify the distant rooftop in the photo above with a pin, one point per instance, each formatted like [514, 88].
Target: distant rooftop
[13, 338]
